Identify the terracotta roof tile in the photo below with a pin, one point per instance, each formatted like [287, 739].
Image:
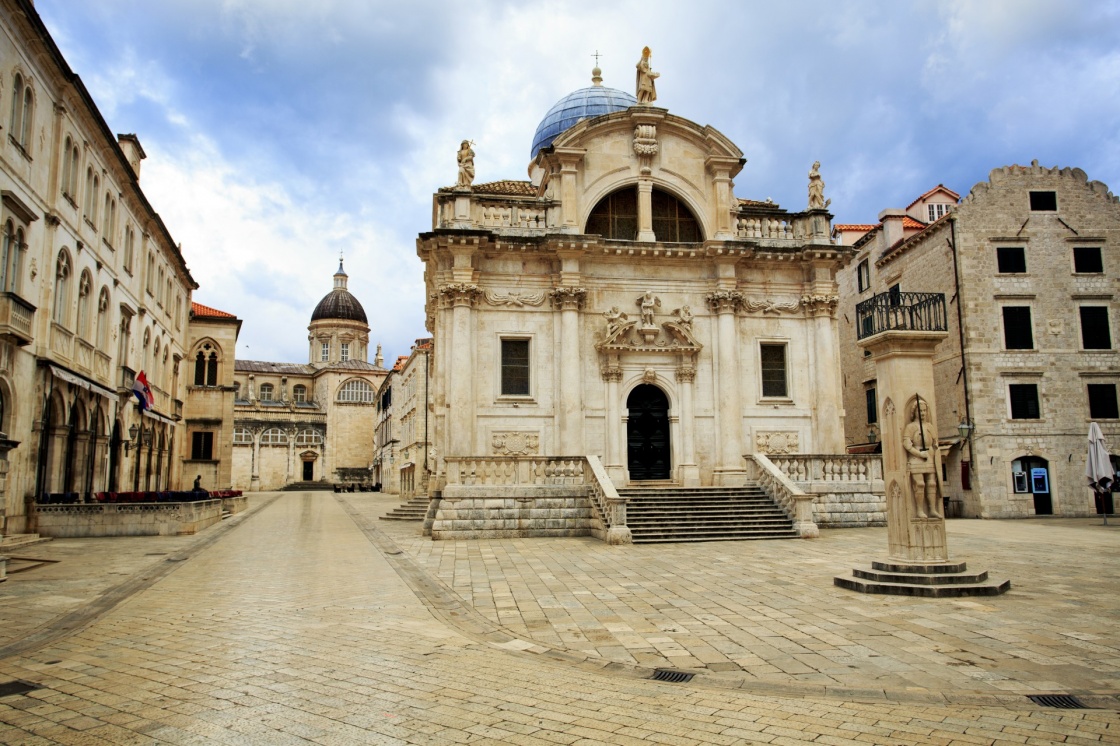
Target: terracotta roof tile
[399, 365]
[197, 309]
[855, 226]
[508, 187]
[909, 222]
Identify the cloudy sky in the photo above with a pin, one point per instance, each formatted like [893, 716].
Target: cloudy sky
[281, 132]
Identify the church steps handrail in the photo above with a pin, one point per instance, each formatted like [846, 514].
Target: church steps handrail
[797, 504]
[607, 502]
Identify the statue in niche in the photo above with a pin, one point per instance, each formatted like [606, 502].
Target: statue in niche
[648, 302]
[647, 92]
[466, 164]
[816, 189]
[919, 440]
[615, 320]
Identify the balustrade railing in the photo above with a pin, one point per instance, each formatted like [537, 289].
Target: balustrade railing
[913, 312]
[83, 355]
[128, 377]
[62, 341]
[101, 365]
[17, 318]
[797, 504]
[514, 470]
[829, 468]
[606, 500]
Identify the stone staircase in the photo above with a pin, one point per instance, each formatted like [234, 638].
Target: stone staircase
[678, 514]
[413, 510]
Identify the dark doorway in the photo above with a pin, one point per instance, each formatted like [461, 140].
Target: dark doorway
[1032, 474]
[115, 458]
[647, 433]
[308, 471]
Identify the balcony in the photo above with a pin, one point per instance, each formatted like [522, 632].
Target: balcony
[128, 377]
[83, 356]
[911, 312]
[62, 341]
[17, 319]
[177, 411]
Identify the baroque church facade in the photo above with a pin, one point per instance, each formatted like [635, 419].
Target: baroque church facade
[310, 423]
[624, 302]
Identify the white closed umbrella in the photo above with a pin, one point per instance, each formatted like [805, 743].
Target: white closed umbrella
[1098, 468]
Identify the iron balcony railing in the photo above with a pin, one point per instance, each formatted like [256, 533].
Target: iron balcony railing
[912, 312]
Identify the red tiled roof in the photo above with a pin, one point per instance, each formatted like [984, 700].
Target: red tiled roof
[507, 187]
[909, 222]
[855, 226]
[197, 309]
[399, 365]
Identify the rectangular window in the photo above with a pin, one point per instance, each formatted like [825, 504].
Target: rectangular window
[1011, 260]
[325, 352]
[1017, 334]
[1024, 401]
[1102, 401]
[773, 370]
[344, 352]
[872, 407]
[515, 367]
[1087, 260]
[966, 475]
[202, 446]
[1044, 201]
[894, 294]
[1095, 334]
[863, 275]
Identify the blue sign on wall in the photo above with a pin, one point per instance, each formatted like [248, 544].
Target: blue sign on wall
[1040, 482]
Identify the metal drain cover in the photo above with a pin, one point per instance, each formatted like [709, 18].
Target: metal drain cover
[1064, 701]
[675, 677]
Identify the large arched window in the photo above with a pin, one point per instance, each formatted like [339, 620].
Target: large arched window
[309, 438]
[85, 288]
[356, 390]
[274, 436]
[62, 288]
[616, 216]
[242, 437]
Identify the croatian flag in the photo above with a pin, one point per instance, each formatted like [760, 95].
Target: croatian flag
[143, 391]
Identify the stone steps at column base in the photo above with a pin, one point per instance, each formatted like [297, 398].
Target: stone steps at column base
[934, 580]
[415, 509]
[665, 537]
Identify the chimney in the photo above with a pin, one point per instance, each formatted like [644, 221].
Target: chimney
[891, 218]
[130, 144]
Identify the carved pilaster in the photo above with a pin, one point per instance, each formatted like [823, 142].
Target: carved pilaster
[686, 374]
[567, 298]
[611, 372]
[725, 301]
[459, 294]
[820, 305]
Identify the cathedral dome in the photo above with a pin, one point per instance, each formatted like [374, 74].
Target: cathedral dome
[585, 103]
[339, 303]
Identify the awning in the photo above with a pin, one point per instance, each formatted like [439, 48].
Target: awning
[82, 383]
[405, 465]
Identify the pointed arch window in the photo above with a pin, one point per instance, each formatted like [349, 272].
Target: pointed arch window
[206, 366]
[85, 289]
[62, 288]
[103, 319]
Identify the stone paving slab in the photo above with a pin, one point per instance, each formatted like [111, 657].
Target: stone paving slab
[304, 626]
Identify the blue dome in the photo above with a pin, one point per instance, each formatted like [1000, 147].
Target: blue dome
[582, 104]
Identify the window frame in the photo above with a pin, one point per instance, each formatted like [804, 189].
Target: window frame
[1086, 258]
[503, 367]
[783, 345]
[202, 445]
[345, 393]
[1011, 402]
[299, 393]
[1004, 260]
[871, 403]
[1098, 326]
[1110, 402]
[264, 388]
[1039, 202]
[1009, 332]
[863, 276]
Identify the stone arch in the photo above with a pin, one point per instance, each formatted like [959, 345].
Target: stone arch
[593, 201]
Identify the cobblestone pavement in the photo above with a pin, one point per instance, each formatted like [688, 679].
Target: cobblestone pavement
[308, 621]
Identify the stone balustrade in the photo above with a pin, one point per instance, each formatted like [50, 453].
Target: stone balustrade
[514, 470]
[847, 490]
[610, 506]
[16, 318]
[797, 504]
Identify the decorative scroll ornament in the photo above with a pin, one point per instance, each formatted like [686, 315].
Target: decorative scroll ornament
[777, 443]
[515, 443]
[724, 300]
[460, 293]
[568, 298]
[513, 298]
[766, 306]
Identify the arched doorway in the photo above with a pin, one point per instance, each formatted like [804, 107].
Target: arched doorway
[1032, 474]
[647, 434]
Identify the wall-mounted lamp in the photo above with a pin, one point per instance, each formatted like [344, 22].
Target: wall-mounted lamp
[871, 435]
[965, 429]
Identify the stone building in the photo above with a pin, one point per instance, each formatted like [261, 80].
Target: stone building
[310, 422]
[386, 439]
[414, 428]
[624, 303]
[93, 289]
[1029, 261]
[208, 414]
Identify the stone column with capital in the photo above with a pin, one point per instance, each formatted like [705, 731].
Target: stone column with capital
[612, 374]
[828, 427]
[461, 297]
[568, 300]
[731, 470]
[689, 471]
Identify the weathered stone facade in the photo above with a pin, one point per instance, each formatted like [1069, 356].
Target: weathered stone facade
[1025, 390]
[208, 412]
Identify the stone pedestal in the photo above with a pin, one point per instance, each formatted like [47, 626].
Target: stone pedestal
[918, 551]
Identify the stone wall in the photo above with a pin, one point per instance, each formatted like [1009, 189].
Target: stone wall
[135, 519]
[512, 512]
